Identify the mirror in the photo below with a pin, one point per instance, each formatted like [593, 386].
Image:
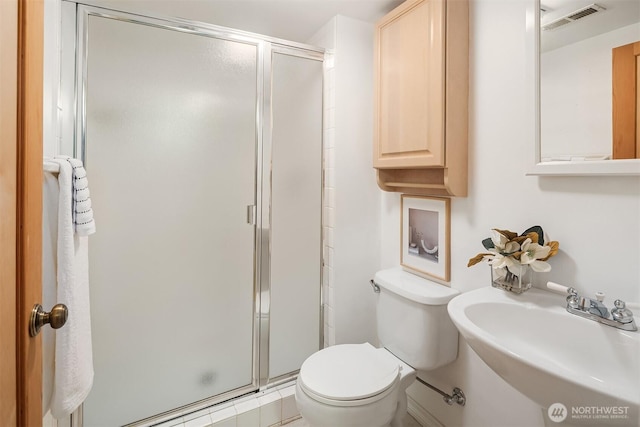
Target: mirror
[577, 85]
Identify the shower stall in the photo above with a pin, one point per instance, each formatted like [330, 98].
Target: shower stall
[203, 148]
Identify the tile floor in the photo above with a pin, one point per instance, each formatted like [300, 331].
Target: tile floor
[409, 421]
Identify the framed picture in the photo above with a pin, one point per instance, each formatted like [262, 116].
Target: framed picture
[425, 236]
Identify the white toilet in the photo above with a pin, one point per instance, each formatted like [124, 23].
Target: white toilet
[359, 385]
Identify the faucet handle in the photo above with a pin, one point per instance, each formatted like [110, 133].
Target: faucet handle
[561, 288]
[572, 294]
[621, 313]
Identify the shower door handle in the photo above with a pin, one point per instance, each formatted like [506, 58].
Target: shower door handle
[57, 317]
[251, 214]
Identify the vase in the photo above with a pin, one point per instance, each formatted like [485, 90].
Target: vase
[517, 279]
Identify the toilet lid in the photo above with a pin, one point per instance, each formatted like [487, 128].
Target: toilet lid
[349, 372]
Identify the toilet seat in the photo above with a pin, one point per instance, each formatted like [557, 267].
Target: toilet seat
[349, 374]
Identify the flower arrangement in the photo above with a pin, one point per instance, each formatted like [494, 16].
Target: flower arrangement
[511, 253]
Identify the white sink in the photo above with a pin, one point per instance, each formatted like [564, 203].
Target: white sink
[548, 354]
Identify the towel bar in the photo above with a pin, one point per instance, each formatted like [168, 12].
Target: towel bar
[52, 167]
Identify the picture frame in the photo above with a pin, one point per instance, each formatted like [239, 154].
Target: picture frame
[425, 236]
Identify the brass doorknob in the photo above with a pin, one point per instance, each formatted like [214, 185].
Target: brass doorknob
[57, 317]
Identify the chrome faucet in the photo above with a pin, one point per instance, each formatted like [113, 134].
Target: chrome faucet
[621, 317]
[595, 307]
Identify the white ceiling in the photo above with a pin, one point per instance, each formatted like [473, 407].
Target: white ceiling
[618, 14]
[295, 20]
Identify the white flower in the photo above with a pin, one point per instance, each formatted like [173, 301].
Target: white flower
[531, 253]
[499, 240]
[511, 247]
[502, 243]
[497, 260]
[509, 254]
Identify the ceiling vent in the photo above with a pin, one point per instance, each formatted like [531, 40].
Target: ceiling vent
[573, 16]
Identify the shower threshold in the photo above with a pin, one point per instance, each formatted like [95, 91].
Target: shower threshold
[274, 405]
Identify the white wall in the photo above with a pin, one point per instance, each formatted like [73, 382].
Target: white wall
[357, 218]
[575, 86]
[352, 216]
[52, 49]
[594, 219]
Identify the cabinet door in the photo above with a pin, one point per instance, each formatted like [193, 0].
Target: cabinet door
[409, 122]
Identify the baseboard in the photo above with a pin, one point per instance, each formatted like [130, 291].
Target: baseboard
[421, 415]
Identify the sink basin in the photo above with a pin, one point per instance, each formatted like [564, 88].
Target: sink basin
[548, 354]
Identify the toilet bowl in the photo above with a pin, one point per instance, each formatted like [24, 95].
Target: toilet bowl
[353, 385]
[359, 385]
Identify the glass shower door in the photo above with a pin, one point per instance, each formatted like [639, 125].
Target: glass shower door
[171, 148]
[296, 210]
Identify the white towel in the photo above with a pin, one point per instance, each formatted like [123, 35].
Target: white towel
[50, 195]
[73, 377]
[83, 221]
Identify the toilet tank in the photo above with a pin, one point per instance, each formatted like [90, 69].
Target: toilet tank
[412, 319]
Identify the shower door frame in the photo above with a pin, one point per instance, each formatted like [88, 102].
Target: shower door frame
[265, 48]
[306, 52]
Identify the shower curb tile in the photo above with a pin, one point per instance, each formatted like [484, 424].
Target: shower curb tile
[249, 418]
[271, 413]
[225, 414]
[247, 405]
[289, 390]
[288, 384]
[289, 409]
[190, 416]
[203, 421]
[230, 422]
[171, 423]
[270, 397]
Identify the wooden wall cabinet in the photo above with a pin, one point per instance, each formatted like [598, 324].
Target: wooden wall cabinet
[421, 98]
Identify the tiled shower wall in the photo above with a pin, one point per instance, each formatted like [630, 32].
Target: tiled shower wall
[329, 203]
[326, 37]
